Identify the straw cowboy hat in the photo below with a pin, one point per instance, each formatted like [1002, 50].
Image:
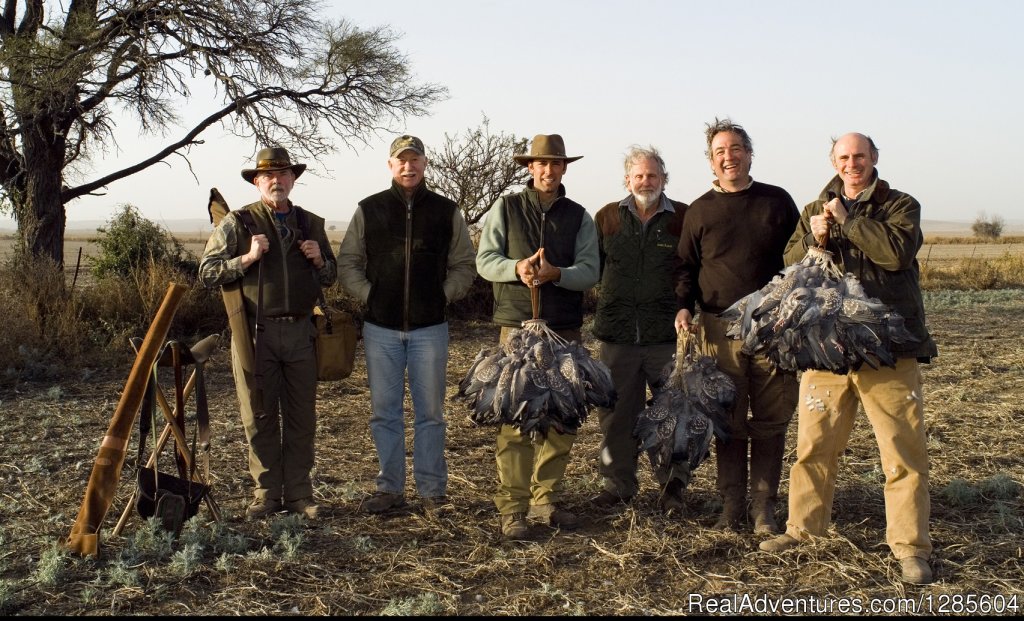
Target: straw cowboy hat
[546, 147]
[270, 159]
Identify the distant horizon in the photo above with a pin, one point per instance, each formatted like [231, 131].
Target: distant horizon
[190, 225]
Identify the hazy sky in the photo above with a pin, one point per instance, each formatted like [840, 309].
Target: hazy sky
[937, 84]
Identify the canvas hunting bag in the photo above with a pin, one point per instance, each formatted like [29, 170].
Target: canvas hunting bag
[335, 342]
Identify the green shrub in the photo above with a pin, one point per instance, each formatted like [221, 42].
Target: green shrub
[131, 242]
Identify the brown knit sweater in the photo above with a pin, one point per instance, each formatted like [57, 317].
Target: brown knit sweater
[732, 244]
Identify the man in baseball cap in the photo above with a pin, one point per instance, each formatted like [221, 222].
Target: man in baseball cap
[405, 256]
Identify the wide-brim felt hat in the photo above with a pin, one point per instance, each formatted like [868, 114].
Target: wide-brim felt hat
[271, 159]
[546, 147]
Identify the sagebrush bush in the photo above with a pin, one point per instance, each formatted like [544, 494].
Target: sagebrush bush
[51, 327]
[129, 242]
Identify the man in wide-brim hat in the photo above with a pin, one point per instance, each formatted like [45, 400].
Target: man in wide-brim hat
[277, 398]
[272, 159]
[546, 147]
[511, 256]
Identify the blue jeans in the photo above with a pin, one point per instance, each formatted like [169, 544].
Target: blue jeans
[424, 352]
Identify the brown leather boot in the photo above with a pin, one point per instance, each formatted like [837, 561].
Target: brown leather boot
[765, 471]
[732, 482]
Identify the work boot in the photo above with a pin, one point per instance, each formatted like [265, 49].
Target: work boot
[304, 507]
[554, 517]
[608, 500]
[765, 471]
[434, 505]
[514, 526]
[262, 507]
[383, 501]
[778, 544]
[732, 482]
[671, 500]
[916, 570]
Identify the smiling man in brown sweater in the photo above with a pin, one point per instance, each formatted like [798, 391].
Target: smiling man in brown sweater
[732, 244]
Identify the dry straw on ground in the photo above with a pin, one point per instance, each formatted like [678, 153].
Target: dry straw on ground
[635, 561]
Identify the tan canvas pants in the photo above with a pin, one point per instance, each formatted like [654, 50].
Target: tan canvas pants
[530, 471]
[893, 403]
[281, 442]
[770, 397]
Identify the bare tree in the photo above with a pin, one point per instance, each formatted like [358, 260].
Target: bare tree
[474, 169]
[282, 76]
[988, 228]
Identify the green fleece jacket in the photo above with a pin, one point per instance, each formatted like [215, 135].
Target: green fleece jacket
[878, 244]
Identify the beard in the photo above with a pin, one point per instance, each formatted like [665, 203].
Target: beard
[646, 199]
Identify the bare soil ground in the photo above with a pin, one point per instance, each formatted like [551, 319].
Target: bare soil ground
[634, 561]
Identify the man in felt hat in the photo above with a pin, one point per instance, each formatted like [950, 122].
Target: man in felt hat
[537, 238]
[277, 248]
[405, 256]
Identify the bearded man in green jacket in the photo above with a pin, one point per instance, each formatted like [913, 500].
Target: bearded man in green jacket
[875, 233]
[637, 239]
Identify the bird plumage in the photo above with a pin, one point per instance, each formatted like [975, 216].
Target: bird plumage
[813, 316]
[536, 381]
[691, 403]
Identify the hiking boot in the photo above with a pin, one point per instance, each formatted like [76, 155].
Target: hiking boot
[261, 508]
[434, 504]
[762, 513]
[607, 500]
[514, 526]
[778, 544]
[732, 513]
[304, 507]
[383, 501]
[671, 500]
[554, 517]
[916, 570]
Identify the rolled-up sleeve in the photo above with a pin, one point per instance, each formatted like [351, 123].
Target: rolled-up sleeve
[219, 266]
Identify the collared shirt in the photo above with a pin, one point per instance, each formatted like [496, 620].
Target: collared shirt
[717, 187]
[664, 204]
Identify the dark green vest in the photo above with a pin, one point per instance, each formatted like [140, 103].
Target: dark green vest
[527, 228]
[290, 285]
[639, 272]
[407, 257]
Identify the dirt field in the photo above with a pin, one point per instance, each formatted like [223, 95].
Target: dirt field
[632, 562]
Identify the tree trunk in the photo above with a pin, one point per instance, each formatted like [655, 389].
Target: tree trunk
[42, 220]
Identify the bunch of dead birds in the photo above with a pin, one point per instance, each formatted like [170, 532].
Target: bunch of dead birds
[813, 316]
[691, 404]
[536, 381]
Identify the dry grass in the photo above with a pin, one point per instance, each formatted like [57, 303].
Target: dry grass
[633, 562]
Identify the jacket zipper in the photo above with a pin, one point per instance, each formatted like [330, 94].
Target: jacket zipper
[408, 269]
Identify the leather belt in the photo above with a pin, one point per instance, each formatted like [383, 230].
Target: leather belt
[286, 318]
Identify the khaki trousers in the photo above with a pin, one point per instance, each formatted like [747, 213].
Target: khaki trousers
[281, 441]
[634, 368]
[530, 471]
[893, 403]
[770, 395]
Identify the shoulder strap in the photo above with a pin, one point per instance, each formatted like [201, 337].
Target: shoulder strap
[248, 221]
[303, 219]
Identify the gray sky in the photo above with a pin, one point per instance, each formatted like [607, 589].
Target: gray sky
[938, 84]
